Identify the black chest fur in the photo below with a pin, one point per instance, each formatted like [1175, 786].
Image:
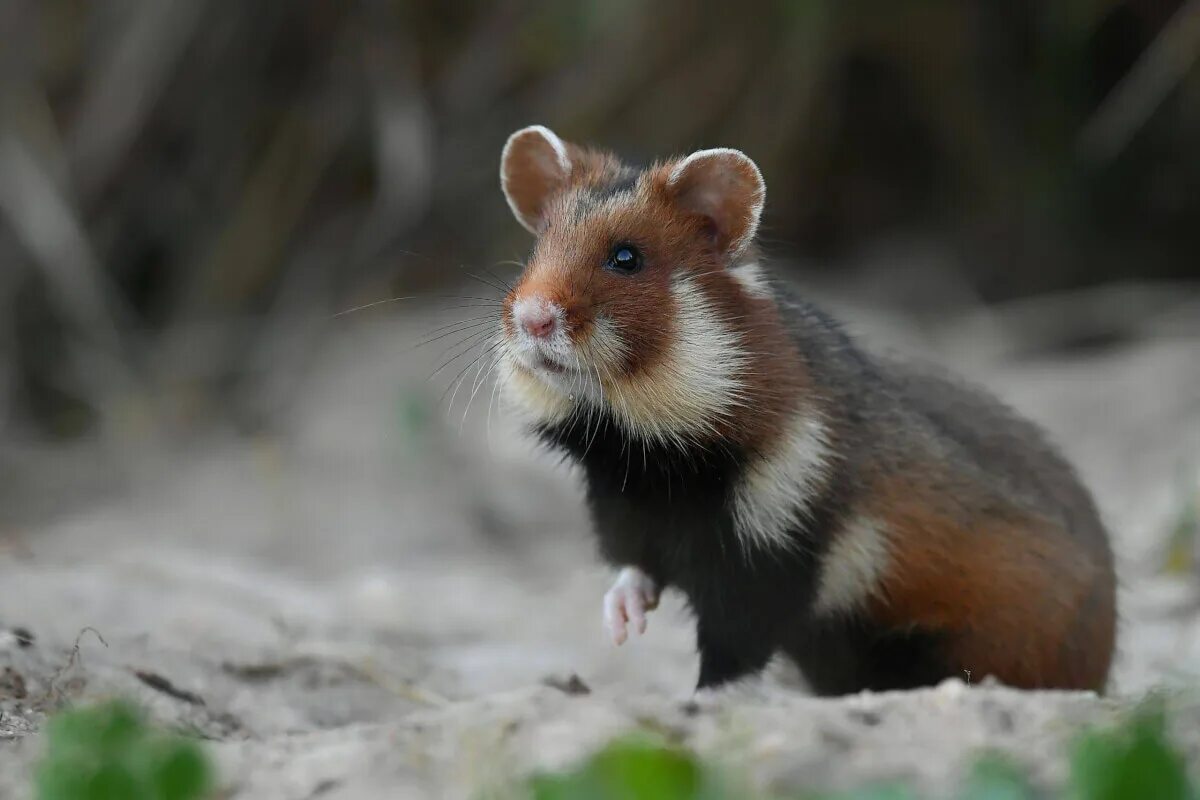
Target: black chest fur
[668, 511]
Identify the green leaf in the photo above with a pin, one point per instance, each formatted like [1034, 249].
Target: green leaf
[1130, 763]
[109, 752]
[109, 728]
[113, 781]
[55, 782]
[627, 769]
[182, 773]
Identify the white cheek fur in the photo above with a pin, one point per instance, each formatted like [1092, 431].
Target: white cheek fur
[698, 381]
[677, 402]
[750, 277]
[527, 395]
[546, 396]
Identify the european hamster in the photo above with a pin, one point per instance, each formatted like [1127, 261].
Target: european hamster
[883, 525]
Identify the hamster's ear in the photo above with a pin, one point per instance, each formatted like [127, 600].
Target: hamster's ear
[726, 188]
[534, 166]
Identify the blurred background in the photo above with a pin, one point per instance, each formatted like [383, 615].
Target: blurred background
[191, 190]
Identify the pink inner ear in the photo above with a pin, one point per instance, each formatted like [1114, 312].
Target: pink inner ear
[533, 171]
[725, 188]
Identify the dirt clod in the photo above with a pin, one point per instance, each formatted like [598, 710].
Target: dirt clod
[572, 685]
[159, 683]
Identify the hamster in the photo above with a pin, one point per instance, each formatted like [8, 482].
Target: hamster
[884, 525]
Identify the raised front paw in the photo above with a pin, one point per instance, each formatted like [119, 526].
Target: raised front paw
[632, 595]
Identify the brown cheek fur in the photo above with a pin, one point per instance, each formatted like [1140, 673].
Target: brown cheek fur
[567, 268]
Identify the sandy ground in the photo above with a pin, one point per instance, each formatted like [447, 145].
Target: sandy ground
[370, 603]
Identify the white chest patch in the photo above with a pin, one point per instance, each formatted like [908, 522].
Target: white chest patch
[856, 560]
[777, 490]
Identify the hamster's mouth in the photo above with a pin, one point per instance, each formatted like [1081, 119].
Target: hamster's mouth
[550, 366]
[540, 362]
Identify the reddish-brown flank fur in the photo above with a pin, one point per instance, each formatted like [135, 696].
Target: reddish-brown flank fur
[1017, 597]
[564, 269]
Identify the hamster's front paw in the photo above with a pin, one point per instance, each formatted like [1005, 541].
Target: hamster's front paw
[632, 595]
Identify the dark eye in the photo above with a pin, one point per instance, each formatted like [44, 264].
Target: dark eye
[624, 259]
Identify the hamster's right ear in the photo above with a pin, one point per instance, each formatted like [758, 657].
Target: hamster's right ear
[534, 166]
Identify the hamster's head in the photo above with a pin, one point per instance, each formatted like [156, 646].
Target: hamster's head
[635, 298]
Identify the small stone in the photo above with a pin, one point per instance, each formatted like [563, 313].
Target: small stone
[572, 685]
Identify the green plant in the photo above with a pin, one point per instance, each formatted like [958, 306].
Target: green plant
[637, 769]
[110, 752]
[1131, 762]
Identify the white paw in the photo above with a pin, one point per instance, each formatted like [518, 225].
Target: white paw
[632, 595]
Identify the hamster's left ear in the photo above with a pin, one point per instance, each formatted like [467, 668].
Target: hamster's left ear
[725, 188]
[534, 167]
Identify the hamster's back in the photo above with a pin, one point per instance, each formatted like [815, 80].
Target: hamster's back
[1005, 447]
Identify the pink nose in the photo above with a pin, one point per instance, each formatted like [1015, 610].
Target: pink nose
[538, 322]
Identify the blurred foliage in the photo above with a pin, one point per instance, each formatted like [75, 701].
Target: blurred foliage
[187, 187]
[1132, 762]
[632, 770]
[1183, 539]
[1136, 761]
[109, 752]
